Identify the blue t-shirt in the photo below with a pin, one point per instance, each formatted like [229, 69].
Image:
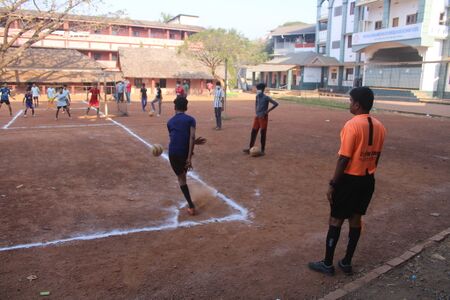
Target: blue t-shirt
[5, 93]
[28, 98]
[179, 127]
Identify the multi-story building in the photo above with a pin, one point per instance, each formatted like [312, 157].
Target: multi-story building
[401, 44]
[335, 27]
[404, 44]
[293, 38]
[109, 34]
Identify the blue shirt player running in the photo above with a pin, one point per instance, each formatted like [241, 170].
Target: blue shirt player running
[5, 92]
[181, 147]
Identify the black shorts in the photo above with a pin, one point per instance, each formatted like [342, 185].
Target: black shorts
[59, 107]
[352, 195]
[178, 163]
[5, 101]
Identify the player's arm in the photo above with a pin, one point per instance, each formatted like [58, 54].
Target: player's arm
[341, 165]
[191, 148]
[274, 105]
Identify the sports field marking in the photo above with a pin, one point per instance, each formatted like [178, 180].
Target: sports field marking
[13, 119]
[172, 223]
[59, 126]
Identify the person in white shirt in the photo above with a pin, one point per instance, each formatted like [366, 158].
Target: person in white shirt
[219, 98]
[35, 92]
[51, 94]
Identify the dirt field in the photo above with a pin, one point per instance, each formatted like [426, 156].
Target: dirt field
[89, 175]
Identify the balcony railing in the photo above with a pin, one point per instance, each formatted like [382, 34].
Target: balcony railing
[322, 36]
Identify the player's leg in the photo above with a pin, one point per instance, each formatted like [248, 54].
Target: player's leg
[153, 104]
[159, 107]
[97, 107]
[264, 123]
[25, 112]
[353, 237]
[32, 111]
[88, 109]
[68, 111]
[253, 134]
[10, 109]
[57, 112]
[178, 164]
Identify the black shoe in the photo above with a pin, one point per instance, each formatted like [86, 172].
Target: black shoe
[347, 269]
[246, 151]
[321, 267]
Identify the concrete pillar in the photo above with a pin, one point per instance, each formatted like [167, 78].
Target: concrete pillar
[253, 79]
[340, 76]
[269, 83]
[202, 86]
[278, 80]
[386, 13]
[302, 76]
[289, 80]
[72, 89]
[261, 77]
[421, 12]
[319, 6]
[149, 32]
[185, 35]
[152, 86]
[329, 28]
[167, 34]
[130, 31]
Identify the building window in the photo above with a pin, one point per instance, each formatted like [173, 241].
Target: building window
[136, 33]
[138, 82]
[322, 49]
[335, 44]
[333, 75]
[395, 22]
[114, 56]
[411, 19]
[323, 26]
[163, 83]
[338, 11]
[442, 19]
[348, 74]
[349, 41]
[114, 31]
[97, 56]
[352, 8]
[378, 25]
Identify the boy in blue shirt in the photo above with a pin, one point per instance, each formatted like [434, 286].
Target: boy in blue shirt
[5, 92]
[28, 101]
[181, 147]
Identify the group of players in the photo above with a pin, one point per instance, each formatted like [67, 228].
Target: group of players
[349, 191]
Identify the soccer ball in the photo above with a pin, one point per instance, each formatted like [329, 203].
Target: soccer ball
[157, 150]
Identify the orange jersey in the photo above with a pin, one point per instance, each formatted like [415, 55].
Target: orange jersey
[362, 140]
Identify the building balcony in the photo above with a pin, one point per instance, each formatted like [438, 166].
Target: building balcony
[417, 32]
[323, 14]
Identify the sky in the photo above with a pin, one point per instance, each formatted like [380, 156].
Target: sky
[253, 18]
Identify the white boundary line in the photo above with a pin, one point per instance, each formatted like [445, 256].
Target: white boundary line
[60, 126]
[13, 119]
[172, 223]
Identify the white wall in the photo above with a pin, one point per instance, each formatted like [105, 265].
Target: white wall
[430, 72]
[374, 14]
[333, 81]
[403, 9]
[312, 75]
[350, 18]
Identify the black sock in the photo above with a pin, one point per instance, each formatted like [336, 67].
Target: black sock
[187, 195]
[332, 239]
[253, 137]
[353, 237]
[263, 139]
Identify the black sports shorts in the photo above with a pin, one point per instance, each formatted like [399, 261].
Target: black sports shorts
[178, 163]
[352, 195]
[6, 101]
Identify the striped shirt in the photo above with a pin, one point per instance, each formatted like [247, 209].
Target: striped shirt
[218, 96]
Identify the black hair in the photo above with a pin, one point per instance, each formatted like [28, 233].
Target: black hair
[178, 82]
[157, 84]
[364, 96]
[218, 83]
[261, 86]
[181, 103]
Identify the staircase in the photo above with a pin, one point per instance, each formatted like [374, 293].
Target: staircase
[395, 95]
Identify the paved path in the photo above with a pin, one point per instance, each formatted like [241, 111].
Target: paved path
[415, 108]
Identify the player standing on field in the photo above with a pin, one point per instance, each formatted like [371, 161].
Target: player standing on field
[51, 94]
[261, 119]
[179, 90]
[181, 147]
[36, 93]
[219, 98]
[94, 101]
[143, 97]
[62, 102]
[5, 92]
[158, 99]
[28, 101]
[353, 183]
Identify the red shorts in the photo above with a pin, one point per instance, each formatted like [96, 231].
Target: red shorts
[94, 103]
[261, 122]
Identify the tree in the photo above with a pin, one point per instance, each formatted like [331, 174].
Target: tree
[213, 47]
[30, 21]
[165, 17]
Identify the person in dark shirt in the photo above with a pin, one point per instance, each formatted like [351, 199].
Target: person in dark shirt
[28, 101]
[158, 99]
[181, 147]
[261, 119]
[5, 93]
[143, 96]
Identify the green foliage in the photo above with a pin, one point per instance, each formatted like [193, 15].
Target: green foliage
[324, 102]
[165, 17]
[294, 23]
[213, 47]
